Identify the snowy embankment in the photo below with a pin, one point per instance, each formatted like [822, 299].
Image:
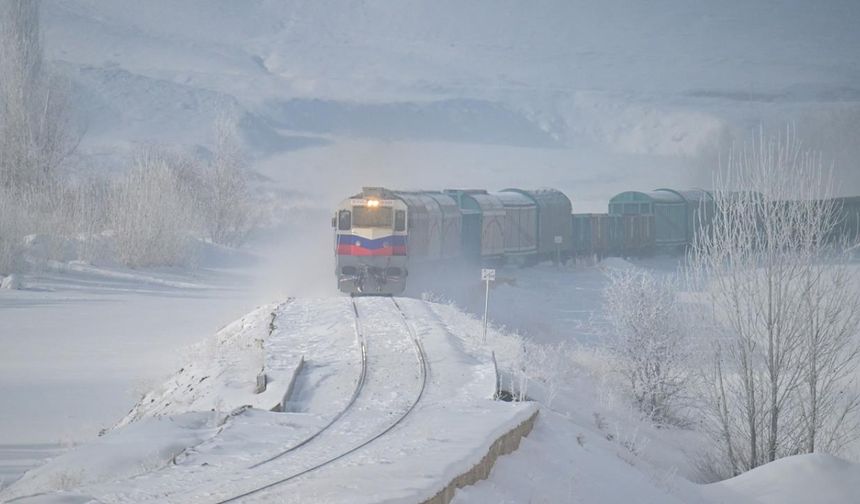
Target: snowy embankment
[199, 437]
[194, 440]
[589, 445]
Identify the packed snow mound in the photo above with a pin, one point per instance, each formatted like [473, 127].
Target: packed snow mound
[819, 478]
[145, 446]
[615, 263]
[223, 373]
[11, 282]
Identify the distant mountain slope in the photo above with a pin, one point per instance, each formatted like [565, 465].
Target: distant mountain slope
[664, 79]
[337, 48]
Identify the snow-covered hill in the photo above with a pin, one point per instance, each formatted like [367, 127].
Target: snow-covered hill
[662, 85]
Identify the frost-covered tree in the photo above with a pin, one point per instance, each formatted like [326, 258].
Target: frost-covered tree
[35, 133]
[768, 273]
[228, 218]
[155, 210]
[827, 397]
[35, 124]
[643, 321]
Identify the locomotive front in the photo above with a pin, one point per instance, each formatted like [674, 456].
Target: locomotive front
[370, 244]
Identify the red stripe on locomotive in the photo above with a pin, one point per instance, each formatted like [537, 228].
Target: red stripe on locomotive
[355, 250]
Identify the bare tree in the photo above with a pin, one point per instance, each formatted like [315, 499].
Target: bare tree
[643, 321]
[229, 218]
[766, 268]
[828, 398]
[35, 122]
[155, 210]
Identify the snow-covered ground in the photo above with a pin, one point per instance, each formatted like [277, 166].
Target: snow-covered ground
[80, 347]
[195, 439]
[192, 439]
[590, 97]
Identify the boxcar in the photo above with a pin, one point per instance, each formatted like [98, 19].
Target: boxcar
[639, 238]
[553, 218]
[520, 227]
[847, 228]
[612, 235]
[678, 215]
[483, 220]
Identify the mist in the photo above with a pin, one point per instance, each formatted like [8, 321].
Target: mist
[322, 98]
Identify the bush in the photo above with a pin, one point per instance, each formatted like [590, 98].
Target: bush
[155, 209]
[647, 334]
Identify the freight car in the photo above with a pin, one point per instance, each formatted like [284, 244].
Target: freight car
[678, 215]
[847, 228]
[605, 235]
[553, 211]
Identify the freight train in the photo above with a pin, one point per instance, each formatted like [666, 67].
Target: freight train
[381, 235]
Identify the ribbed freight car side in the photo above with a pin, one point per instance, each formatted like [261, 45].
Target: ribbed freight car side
[638, 235]
[678, 215]
[553, 215]
[591, 234]
[606, 235]
[700, 210]
[482, 231]
[450, 232]
[424, 226]
[520, 227]
[581, 234]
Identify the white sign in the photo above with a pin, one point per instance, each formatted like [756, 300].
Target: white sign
[487, 275]
[558, 240]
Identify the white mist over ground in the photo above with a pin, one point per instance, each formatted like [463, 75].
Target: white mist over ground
[592, 98]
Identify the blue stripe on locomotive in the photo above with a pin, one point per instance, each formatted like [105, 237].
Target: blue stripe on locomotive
[372, 244]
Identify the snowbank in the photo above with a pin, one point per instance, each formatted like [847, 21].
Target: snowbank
[615, 263]
[11, 282]
[145, 446]
[223, 377]
[819, 478]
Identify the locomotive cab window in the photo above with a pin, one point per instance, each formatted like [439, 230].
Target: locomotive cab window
[400, 220]
[372, 217]
[344, 220]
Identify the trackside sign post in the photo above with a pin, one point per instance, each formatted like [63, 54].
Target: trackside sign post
[487, 275]
[558, 241]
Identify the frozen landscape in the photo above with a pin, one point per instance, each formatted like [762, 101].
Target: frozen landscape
[131, 353]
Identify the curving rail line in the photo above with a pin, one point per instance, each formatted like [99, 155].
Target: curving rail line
[424, 372]
[359, 336]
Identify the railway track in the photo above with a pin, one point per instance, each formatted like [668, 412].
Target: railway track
[423, 372]
[362, 377]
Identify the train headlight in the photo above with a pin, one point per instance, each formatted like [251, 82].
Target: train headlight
[372, 203]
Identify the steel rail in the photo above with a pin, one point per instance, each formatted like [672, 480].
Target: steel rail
[424, 371]
[359, 385]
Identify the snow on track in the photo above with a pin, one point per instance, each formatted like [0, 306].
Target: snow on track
[407, 434]
[306, 381]
[383, 402]
[450, 430]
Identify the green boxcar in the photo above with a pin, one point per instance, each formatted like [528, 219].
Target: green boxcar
[678, 215]
[483, 227]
